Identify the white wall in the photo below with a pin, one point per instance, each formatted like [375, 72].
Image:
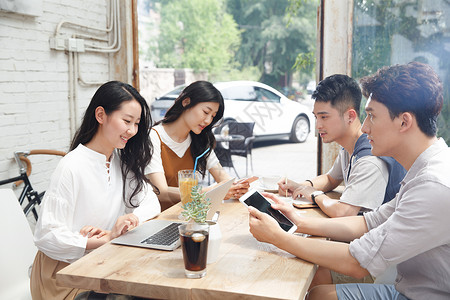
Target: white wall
[34, 88]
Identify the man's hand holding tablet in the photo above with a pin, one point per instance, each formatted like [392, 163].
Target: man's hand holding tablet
[255, 199]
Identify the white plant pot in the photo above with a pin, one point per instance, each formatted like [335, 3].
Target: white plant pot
[215, 237]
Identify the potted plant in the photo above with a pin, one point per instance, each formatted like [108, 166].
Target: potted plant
[194, 235]
[196, 209]
[195, 212]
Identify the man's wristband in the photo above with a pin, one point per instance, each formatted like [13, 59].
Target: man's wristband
[310, 182]
[316, 194]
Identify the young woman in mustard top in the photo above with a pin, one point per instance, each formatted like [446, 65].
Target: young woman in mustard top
[184, 134]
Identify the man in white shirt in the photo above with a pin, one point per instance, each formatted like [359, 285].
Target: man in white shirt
[411, 231]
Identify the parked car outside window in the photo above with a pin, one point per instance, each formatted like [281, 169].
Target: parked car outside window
[275, 116]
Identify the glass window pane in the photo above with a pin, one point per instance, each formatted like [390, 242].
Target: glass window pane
[266, 96]
[397, 32]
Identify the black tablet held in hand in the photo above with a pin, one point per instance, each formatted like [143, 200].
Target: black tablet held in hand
[255, 199]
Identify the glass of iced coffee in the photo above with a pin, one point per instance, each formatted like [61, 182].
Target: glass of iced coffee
[194, 243]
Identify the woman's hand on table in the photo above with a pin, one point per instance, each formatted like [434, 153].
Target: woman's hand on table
[95, 236]
[92, 231]
[123, 224]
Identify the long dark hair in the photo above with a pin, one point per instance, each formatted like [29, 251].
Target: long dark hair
[197, 92]
[136, 155]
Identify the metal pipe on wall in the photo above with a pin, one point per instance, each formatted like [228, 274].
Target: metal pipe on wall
[71, 89]
[74, 58]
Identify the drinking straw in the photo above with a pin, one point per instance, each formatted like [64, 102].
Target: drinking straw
[196, 159]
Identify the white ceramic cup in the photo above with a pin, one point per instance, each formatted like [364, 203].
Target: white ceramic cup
[269, 182]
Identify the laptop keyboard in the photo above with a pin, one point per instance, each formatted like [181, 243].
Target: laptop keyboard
[166, 236]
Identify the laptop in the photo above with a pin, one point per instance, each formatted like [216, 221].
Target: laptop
[163, 234]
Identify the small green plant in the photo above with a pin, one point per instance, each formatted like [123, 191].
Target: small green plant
[197, 209]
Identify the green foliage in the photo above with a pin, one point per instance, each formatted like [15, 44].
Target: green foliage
[197, 34]
[444, 118]
[231, 39]
[305, 61]
[295, 6]
[272, 37]
[197, 209]
[372, 44]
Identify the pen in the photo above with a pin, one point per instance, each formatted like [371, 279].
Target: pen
[285, 181]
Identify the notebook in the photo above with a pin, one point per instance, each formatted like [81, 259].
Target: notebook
[163, 234]
[301, 202]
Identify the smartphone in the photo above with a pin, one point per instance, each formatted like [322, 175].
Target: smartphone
[255, 199]
[249, 180]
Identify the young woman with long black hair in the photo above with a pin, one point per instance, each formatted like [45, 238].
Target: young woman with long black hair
[185, 133]
[98, 190]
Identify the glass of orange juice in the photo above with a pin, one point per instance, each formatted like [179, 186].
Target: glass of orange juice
[186, 180]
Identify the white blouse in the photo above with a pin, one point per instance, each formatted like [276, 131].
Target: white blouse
[84, 192]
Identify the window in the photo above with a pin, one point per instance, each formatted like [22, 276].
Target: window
[266, 96]
[397, 32]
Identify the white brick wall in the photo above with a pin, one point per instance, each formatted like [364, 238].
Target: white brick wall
[34, 88]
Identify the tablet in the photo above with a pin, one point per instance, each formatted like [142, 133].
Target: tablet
[255, 199]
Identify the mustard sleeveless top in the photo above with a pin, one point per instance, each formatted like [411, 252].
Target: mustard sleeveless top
[172, 163]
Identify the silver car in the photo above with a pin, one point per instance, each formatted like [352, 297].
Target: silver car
[275, 116]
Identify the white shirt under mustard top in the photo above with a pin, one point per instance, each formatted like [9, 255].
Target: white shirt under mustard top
[83, 191]
[156, 165]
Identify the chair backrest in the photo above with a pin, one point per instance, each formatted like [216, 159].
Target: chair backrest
[17, 249]
[224, 156]
[241, 128]
[244, 129]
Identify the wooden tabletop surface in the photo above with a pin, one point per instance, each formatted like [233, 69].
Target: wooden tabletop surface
[246, 268]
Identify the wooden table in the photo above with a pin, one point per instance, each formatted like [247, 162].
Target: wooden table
[246, 268]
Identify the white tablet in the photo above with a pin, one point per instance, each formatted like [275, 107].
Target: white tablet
[255, 199]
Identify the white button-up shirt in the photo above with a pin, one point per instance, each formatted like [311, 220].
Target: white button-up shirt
[84, 192]
[412, 231]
